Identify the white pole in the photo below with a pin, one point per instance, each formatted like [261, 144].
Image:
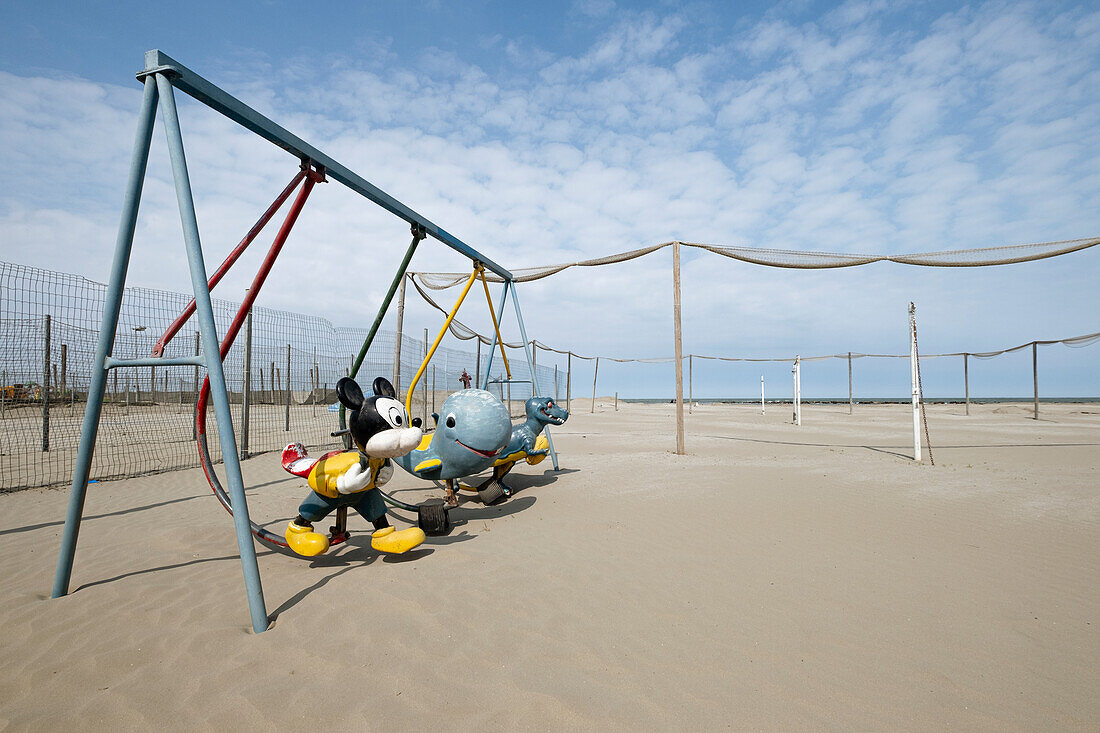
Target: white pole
[913, 379]
[794, 392]
[761, 394]
[798, 388]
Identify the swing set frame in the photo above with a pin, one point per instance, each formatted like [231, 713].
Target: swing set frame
[161, 76]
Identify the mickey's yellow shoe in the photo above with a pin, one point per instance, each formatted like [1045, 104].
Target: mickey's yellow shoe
[304, 541]
[389, 539]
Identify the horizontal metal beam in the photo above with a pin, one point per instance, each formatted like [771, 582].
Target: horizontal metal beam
[212, 96]
[113, 363]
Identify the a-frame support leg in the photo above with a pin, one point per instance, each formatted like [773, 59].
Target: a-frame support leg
[531, 366]
[157, 85]
[106, 341]
[493, 346]
[211, 349]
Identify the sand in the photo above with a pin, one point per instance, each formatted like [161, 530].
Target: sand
[774, 578]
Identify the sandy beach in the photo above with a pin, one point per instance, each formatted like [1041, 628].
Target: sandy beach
[774, 578]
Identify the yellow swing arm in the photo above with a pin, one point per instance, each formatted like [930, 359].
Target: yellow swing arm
[496, 326]
[446, 324]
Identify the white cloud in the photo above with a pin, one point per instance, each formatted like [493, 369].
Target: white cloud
[837, 133]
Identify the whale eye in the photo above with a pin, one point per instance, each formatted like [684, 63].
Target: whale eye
[450, 421]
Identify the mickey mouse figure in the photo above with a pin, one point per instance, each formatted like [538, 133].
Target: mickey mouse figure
[380, 428]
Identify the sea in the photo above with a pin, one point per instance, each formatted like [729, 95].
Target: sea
[858, 400]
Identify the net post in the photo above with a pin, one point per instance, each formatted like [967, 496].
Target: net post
[1035, 374]
[569, 382]
[913, 379]
[966, 380]
[850, 401]
[796, 387]
[679, 348]
[286, 427]
[595, 373]
[691, 385]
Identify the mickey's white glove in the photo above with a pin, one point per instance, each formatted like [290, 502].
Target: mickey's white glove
[353, 480]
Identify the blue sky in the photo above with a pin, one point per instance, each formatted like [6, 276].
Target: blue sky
[549, 132]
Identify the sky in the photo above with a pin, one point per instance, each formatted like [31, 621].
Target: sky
[551, 132]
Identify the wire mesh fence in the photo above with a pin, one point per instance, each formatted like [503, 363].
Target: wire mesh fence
[49, 325]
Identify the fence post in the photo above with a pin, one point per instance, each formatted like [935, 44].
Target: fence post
[287, 427]
[761, 394]
[46, 388]
[194, 384]
[246, 384]
[555, 382]
[691, 384]
[314, 378]
[274, 384]
[3, 392]
[966, 380]
[64, 369]
[569, 382]
[850, 402]
[477, 364]
[592, 407]
[1035, 373]
[153, 384]
[433, 388]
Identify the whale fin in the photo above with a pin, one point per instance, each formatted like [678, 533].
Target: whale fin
[425, 465]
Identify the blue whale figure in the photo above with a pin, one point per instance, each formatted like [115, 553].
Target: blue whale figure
[473, 427]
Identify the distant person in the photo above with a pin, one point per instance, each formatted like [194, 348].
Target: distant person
[465, 379]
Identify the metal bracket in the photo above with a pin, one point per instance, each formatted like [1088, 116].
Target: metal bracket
[166, 70]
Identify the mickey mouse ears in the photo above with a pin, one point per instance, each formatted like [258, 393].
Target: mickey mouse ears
[351, 396]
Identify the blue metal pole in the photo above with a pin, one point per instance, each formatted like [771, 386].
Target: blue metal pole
[205, 314]
[493, 345]
[106, 340]
[531, 366]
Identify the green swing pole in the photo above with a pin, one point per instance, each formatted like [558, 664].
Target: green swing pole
[418, 234]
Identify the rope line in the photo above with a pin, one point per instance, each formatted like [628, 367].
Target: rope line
[463, 332]
[802, 260]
